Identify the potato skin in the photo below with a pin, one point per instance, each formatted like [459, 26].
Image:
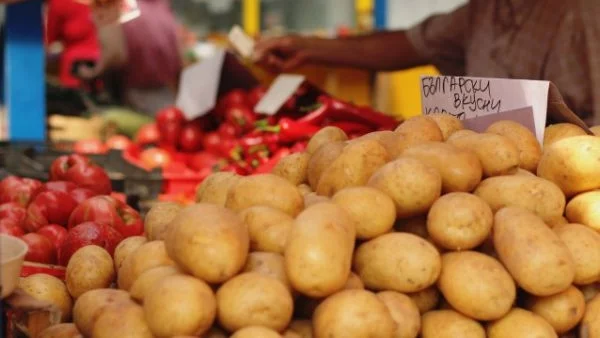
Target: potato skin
[381, 266]
[147, 256]
[214, 188]
[403, 311]
[427, 299]
[123, 320]
[563, 311]
[582, 209]
[530, 149]
[127, 247]
[498, 154]
[320, 160]
[269, 264]
[519, 323]
[318, 255]
[145, 283]
[572, 164]
[265, 189]
[460, 169]
[590, 324]
[420, 129]
[476, 285]
[533, 254]
[325, 136]
[256, 331]
[269, 228]
[91, 304]
[91, 267]
[48, 288]
[450, 324]
[156, 222]
[584, 245]
[561, 131]
[535, 194]
[447, 123]
[64, 330]
[293, 168]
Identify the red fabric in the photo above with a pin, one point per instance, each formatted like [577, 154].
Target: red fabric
[71, 23]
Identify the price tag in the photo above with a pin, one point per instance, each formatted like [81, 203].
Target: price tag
[472, 97]
[281, 90]
[242, 43]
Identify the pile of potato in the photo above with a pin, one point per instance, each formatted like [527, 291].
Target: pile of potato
[429, 230]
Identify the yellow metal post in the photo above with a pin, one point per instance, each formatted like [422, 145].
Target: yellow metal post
[251, 16]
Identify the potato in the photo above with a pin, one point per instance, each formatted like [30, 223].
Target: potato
[268, 228]
[145, 283]
[91, 267]
[394, 143]
[64, 330]
[404, 312]
[584, 245]
[354, 282]
[420, 129]
[304, 189]
[476, 285]
[563, 310]
[312, 198]
[498, 154]
[590, 324]
[414, 225]
[149, 255]
[269, 264]
[523, 172]
[301, 327]
[214, 233]
[459, 221]
[460, 133]
[413, 185]
[49, 289]
[572, 164]
[372, 211]
[180, 305]
[254, 299]
[519, 323]
[126, 247]
[382, 265]
[124, 320]
[561, 131]
[256, 331]
[158, 219]
[450, 324]
[353, 167]
[318, 255]
[460, 169]
[427, 299]
[533, 254]
[530, 149]
[325, 136]
[293, 168]
[535, 194]
[321, 160]
[214, 188]
[92, 304]
[583, 209]
[448, 124]
[595, 130]
[265, 189]
[353, 313]
[557, 222]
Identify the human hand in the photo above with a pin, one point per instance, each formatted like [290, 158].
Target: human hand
[282, 54]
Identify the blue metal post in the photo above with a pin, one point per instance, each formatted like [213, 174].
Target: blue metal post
[380, 9]
[24, 76]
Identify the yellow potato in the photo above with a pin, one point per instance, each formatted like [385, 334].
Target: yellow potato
[92, 304]
[557, 222]
[65, 330]
[354, 282]
[372, 211]
[312, 198]
[427, 299]
[303, 328]
[415, 225]
[530, 149]
[382, 265]
[590, 291]
[123, 320]
[394, 143]
[156, 222]
[572, 164]
[561, 131]
[450, 324]
[535, 194]
[268, 228]
[254, 299]
[590, 324]
[325, 136]
[180, 305]
[145, 283]
[498, 154]
[50, 289]
[353, 314]
[563, 310]
[413, 185]
[533, 254]
[448, 124]
[584, 245]
[268, 264]
[149, 255]
[214, 233]
[126, 247]
[304, 189]
[214, 188]
[460, 169]
[321, 160]
[523, 172]
[353, 167]
[256, 331]
[459, 221]
[91, 267]
[318, 255]
[583, 209]
[476, 285]
[293, 168]
[595, 130]
[404, 312]
[519, 323]
[265, 189]
[420, 129]
[460, 133]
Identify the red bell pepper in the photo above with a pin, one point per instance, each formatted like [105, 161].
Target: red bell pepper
[267, 167]
[49, 207]
[290, 131]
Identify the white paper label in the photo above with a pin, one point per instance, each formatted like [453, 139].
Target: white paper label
[470, 97]
[243, 43]
[284, 86]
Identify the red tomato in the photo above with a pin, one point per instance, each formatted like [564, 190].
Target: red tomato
[190, 138]
[255, 94]
[55, 233]
[12, 211]
[147, 134]
[169, 121]
[203, 160]
[40, 249]
[88, 233]
[11, 227]
[211, 142]
[155, 158]
[118, 142]
[169, 115]
[92, 146]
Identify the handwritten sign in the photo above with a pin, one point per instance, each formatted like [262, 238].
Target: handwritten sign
[284, 86]
[470, 97]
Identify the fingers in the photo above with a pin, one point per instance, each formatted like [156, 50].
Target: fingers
[279, 54]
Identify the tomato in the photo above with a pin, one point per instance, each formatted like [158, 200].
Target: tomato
[169, 121]
[203, 160]
[88, 233]
[190, 138]
[147, 134]
[92, 146]
[255, 95]
[227, 130]
[12, 211]
[10, 227]
[55, 233]
[211, 142]
[40, 249]
[155, 158]
[118, 142]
